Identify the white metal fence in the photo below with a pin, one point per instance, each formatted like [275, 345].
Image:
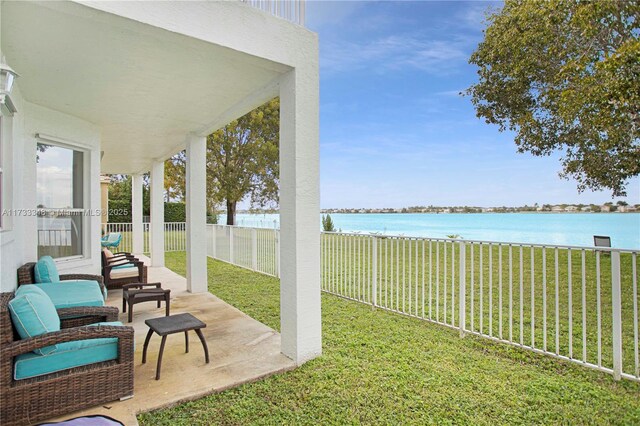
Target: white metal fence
[575, 303]
[257, 249]
[175, 235]
[291, 10]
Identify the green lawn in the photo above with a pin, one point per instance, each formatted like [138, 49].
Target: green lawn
[383, 368]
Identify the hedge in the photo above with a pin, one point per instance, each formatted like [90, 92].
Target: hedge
[173, 212]
[119, 211]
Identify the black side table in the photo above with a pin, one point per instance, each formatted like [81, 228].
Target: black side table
[179, 323]
[138, 293]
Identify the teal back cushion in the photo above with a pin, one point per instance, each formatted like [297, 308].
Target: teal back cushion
[33, 314]
[46, 271]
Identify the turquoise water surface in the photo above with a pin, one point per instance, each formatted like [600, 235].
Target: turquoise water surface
[575, 229]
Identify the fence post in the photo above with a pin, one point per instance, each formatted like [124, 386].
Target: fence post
[254, 249]
[374, 275]
[277, 238]
[231, 245]
[215, 241]
[462, 296]
[616, 300]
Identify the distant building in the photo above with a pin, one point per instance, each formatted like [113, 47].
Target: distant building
[605, 208]
[571, 208]
[557, 209]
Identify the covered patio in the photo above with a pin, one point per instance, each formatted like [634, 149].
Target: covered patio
[121, 87]
[241, 350]
[126, 85]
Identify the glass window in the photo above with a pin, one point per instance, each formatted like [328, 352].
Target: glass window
[60, 202]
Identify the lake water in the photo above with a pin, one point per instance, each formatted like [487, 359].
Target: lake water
[540, 228]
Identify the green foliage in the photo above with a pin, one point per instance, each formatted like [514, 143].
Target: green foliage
[243, 159]
[123, 208]
[327, 224]
[175, 176]
[120, 202]
[120, 190]
[120, 187]
[175, 212]
[565, 76]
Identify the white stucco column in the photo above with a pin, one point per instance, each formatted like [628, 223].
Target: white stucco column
[136, 214]
[196, 214]
[301, 326]
[157, 214]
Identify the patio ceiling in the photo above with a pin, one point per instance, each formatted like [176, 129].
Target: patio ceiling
[144, 87]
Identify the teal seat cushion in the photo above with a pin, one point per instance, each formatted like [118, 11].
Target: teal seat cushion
[104, 288]
[128, 265]
[33, 313]
[71, 294]
[68, 355]
[46, 271]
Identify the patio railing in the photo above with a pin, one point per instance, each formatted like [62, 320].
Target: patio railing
[175, 235]
[257, 249]
[291, 10]
[575, 303]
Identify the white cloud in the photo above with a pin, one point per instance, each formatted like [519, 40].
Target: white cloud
[474, 15]
[396, 52]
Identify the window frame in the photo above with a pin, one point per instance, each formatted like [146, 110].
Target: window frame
[85, 222]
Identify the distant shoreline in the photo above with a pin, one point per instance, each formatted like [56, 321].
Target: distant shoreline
[492, 212]
[567, 229]
[487, 212]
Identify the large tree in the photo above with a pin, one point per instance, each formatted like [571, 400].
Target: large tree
[174, 177]
[242, 160]
[565, 76]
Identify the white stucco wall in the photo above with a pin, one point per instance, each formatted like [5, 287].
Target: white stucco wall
[18, 243]
[11, 240]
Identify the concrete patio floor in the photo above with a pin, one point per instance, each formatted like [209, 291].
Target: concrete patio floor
[241, 350]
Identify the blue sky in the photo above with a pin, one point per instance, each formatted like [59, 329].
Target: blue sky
[393, 130]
